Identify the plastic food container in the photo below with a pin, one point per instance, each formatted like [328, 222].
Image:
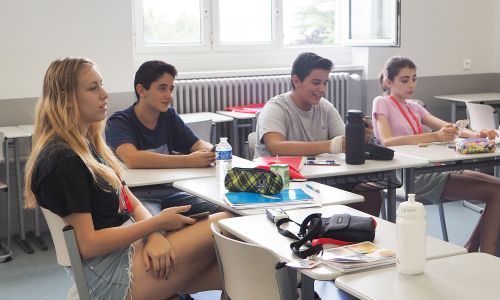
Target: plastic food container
[476, 145]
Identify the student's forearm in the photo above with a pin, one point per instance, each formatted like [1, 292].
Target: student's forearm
[106, 240]
[299, 148]
[201, 145]
[410, 139]
[152, 160]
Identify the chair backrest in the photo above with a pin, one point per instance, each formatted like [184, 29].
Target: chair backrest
[2, 141]
[252, 140]
[56, 225]
[481, 116]
[202, 129]
[249, 271]
[67, 252]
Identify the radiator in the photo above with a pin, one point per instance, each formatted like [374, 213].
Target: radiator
[210, 95]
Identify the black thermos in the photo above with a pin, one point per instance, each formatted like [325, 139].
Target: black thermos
[355, 138]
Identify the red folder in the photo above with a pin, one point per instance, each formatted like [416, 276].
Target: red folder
[249, 108]
[294, 161]
[294, 164]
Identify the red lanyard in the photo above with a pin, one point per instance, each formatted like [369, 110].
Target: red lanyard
[419, 127]
[124, 200]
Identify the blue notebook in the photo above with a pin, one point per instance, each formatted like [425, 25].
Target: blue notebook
[284, 197]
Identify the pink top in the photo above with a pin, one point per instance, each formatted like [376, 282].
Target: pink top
[382, 105]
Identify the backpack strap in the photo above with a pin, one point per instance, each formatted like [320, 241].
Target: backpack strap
[310, 229]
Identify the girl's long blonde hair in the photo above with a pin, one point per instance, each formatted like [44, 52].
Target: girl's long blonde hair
[57, 116]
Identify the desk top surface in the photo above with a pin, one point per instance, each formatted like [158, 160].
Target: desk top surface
[468, 276]
[236, 115]
[208, 189]
[400, 161]
[439, 153]
[259, 230]
[195, 117]
[14, 132]
[478, 97]
[145, 177]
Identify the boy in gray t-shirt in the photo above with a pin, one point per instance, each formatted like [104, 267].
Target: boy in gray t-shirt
[302, 122]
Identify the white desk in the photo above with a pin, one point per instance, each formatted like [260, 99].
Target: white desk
[468, 276]
[383, 171]
[240, 120]
[13, 134]
[464, 98]
[400, 161]
[202, 116]
[145, 177]
[257, 229]
[437, 155]
[195, 117]
[208, 189]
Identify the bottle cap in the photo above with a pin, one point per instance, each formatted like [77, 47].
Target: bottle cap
[411, 208]
[354, 115]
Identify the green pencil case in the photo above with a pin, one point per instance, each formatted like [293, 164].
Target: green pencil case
[253, 180]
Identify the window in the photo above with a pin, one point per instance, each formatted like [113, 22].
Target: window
[310, 22]
[374, 23]
[221, 25]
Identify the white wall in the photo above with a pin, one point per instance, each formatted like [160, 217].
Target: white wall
[439, 35]
[33, 33]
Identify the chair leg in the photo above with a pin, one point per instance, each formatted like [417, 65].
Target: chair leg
[443, 222]
[383, 210]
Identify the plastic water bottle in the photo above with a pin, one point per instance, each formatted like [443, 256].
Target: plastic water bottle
[355, 138]
[223, 159]
[410, 237]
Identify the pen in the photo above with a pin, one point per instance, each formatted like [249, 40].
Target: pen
[312, 188]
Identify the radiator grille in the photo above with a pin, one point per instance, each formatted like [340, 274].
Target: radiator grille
[210, 95]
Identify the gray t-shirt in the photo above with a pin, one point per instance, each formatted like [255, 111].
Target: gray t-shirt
[280, 114]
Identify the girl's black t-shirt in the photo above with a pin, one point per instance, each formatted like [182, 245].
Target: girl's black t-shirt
[63, 184]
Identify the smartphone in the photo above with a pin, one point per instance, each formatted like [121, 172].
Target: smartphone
[200, 215]
[461, 124]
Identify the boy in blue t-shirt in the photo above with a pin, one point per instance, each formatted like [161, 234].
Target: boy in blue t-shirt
[146, 134]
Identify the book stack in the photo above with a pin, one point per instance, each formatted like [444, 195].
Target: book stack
[357, 257]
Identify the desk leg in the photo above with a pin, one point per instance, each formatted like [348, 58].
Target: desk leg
[409, 180]
[7, 182]
[391, 200]
[453, 111]
[307, 287]
[35, 236]
[236, 139]
[20, 239]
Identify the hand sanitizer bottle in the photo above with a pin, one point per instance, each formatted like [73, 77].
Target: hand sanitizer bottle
[410, 237]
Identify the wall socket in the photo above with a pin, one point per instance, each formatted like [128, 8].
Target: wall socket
[467, 64]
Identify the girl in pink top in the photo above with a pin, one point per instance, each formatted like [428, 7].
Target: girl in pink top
[399, 121]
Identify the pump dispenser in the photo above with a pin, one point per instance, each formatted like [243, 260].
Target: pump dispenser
[410, 237]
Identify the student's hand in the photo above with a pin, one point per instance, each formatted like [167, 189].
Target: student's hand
[487, 133]
[171, 219]
[368, 130]
[200, 159]
[447, 133]
[159, 255]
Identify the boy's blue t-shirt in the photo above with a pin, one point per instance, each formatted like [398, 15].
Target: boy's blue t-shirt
[170, 134]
